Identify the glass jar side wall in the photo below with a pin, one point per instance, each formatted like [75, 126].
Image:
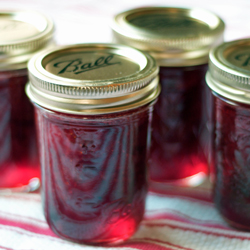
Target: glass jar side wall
[231, 154]
[94, 176]
[179, 136]
[18, 146]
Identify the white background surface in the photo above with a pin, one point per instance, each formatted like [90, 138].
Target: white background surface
[80, 21]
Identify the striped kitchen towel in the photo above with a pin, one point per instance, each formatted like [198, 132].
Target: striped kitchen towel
[176, 219]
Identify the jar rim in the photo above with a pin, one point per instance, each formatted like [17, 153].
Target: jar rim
[174, 36]
[23, 33]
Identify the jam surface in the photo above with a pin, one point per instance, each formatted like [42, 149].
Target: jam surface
[94, 173]
[18, 147]
[179, 126]
[231, 153]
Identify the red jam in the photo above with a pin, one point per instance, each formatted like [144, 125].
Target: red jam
[179, 127]
[94, 184]
[231, 153]
[18, 152]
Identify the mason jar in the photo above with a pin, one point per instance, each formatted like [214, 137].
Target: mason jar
[22, 33]
[93, 106]
[229, 78]
[179, 39]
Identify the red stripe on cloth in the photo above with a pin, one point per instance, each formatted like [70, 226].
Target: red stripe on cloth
[24, 197]
[204, 230]
[203, 192]
[152, 244]
[177, 216]
[205, 202]
[4, 215]
[144, 246]
[6, 248]
[28, 227]
[53, 238]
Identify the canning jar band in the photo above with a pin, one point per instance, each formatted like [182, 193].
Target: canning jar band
[227, 91]
[95, 106]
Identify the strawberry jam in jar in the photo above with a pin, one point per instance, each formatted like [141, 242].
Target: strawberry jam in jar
[22, 33]
[229, 80]
[93, 107]
[180, 40]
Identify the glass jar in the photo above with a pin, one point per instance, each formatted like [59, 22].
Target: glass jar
[22, 33]
[229, 78]
[93, 107]
[180, 40]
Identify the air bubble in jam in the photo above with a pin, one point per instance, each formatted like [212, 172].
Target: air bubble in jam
[231, 154]
[19, 161]
[95, 168]
[179, 131]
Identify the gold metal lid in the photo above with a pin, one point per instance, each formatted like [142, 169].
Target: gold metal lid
[22, 33]
[229, 70]
[173, 36]
[92, 78]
